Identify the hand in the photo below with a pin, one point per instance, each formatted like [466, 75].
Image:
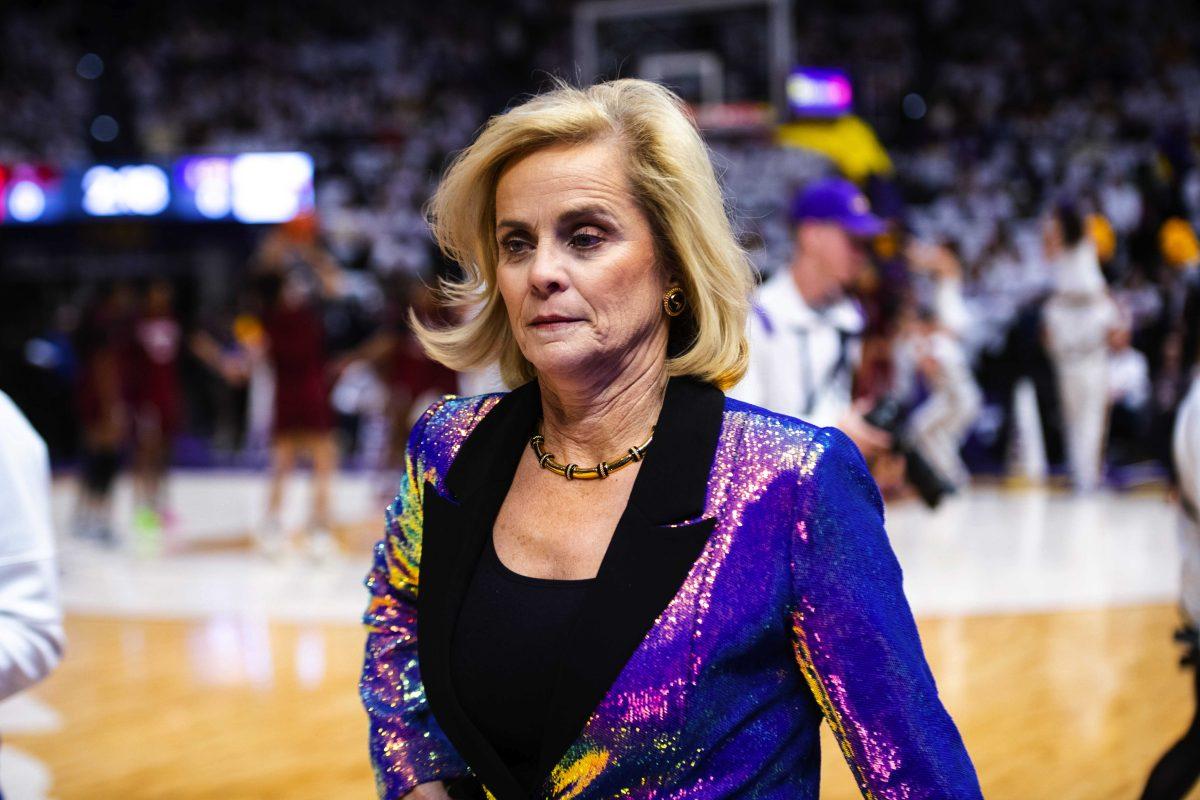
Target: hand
[338, 365]
[920, 256]
[428, 791]
[888, 470]
[937, 260]
[929, 368]
[871, 441]
[234, 369]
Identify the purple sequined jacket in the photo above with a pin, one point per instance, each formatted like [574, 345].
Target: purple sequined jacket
[749, 591]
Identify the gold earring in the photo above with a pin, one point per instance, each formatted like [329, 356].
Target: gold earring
[673, 301]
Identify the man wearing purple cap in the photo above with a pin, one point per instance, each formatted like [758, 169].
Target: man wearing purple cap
[805, 333]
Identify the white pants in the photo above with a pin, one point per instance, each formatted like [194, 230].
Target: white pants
[938, 428]
[1083, 395]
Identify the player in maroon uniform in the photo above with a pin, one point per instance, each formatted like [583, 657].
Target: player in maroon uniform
[156, 402]
[293, 278]
[103, 346]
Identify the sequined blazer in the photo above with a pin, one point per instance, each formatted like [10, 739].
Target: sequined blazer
[749, 591]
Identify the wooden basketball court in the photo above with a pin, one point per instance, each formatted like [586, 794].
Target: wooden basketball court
[212, 672]
[1064, 706]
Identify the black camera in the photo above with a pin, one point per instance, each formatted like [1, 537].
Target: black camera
[889, 414]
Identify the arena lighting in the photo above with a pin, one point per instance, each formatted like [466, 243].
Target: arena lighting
[101, 190]
[913, 106]
[271, 187]
[105, 128]
[819, 92]
[207, 178]
[26, 201]
[30, 194]
[135, 189]
[90, 67]
[146, 189]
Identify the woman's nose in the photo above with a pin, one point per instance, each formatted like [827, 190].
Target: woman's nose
[546, 272]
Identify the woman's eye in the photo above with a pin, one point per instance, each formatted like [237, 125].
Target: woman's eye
[585, 240]
[513, 246]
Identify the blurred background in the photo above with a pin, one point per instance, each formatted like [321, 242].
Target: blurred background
[203, 203]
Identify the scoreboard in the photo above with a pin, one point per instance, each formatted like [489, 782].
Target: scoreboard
[250, 188]
[813, 92]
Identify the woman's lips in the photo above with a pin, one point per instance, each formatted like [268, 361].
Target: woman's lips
[552, 323]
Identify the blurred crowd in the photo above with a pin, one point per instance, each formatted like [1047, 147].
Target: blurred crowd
[997, 116]
[311, 361]
[380, 93]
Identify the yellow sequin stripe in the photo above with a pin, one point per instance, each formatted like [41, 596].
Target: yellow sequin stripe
[813, 677]
[410, 518]
[406, 512]
[570, 780]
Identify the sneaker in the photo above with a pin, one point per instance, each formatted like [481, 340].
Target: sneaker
[1188, 636]
[147, 531]
[270, 540]
[322, 545]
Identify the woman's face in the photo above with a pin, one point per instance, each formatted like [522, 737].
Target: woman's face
[577, 267]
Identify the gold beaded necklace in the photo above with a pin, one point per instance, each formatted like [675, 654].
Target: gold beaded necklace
[575, 472]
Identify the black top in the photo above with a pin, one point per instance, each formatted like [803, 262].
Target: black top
[506, 654]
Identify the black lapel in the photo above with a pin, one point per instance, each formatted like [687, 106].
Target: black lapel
[645, 564]
[454, 532]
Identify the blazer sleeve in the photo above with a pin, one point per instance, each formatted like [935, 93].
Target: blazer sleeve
[407, 746]
[857, 644]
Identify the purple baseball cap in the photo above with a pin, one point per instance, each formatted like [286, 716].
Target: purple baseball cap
[837, 200]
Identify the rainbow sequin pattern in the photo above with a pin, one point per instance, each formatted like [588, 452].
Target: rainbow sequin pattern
[793, 614]
[407, 746]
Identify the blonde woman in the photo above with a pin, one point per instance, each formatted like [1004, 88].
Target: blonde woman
[613, 580]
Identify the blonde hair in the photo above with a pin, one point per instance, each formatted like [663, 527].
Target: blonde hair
[672, 179]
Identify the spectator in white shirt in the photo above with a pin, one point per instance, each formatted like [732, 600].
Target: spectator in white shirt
[805, 332]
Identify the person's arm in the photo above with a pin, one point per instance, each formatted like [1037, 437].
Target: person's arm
[856, 642]
[328, 271]
[408, 748]
[869, 439]
[372, 351]
[31, 630]
[951, 305]
[206, 348]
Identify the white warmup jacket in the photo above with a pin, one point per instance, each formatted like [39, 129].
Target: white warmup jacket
[1186, 446]
[31, 630]
[802, 361]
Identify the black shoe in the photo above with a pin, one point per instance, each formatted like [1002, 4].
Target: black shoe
[1189, 637]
